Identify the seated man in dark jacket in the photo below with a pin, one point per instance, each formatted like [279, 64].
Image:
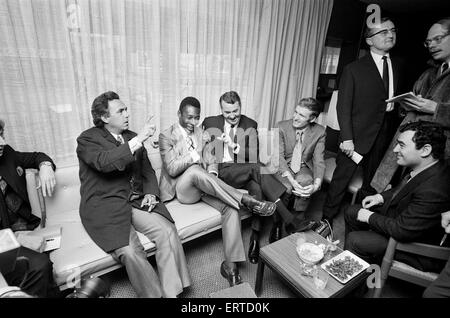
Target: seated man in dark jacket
[15, 213]
[412, 210]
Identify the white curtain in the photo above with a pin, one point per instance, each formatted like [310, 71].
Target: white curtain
[56, 56]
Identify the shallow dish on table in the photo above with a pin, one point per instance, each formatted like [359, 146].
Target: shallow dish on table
[310, 253]
[345, 266]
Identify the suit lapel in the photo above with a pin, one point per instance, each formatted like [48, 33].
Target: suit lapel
[417, 180]
[9, 172]
[307, 136]
[107, 135]
[373, 71]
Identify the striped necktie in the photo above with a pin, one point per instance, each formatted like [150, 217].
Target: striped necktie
[120, 139]
[296, 161]
[190, 143]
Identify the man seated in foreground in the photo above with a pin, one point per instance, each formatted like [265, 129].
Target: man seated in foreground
[412, 210]
[15, 213]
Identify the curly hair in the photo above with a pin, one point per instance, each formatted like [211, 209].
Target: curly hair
[100, 107]
[189, 101]
[426, 132]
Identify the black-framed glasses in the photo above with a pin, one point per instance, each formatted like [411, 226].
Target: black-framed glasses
[384, 32]
[438, 39]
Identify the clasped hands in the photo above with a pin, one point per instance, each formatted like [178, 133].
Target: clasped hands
[227, 140]
[367, 203]
[302, 191]
[149, 200]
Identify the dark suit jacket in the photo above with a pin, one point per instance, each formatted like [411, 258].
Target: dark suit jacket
[414, 214]
[109, 174]
[12, 169]
[361, 105]
[246, 137]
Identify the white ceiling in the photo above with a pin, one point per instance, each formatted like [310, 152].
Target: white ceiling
[437, 6]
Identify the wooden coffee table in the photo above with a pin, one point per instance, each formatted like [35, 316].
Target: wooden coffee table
[281, 256]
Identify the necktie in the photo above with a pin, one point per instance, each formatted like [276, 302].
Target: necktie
[385, 74]
[296, 161]
[120, 139]
[190, 143]
[231, 134]
[3, 185]
[401, 184]
[444, 68]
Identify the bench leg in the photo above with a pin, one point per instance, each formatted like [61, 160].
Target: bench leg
[259, 277]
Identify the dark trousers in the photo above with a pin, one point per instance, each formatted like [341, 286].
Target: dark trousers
[440, 288]
[38, 279]
[260, 185]
[346, 168]
[371, 245]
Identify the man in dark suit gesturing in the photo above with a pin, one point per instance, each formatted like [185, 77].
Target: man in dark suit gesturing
[120, 195]
[236, 149]
[366, 121]
[412, 210]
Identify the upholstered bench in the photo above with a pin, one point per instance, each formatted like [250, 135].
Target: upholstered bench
[78, 256]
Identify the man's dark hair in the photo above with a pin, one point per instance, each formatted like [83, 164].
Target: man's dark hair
[445, 23]
[100, 107]
[189, 101]
[426, 132]
[369, 31]
[230, 97]
[312, 104]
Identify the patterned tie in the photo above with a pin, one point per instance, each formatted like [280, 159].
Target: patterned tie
[190, 143]
[296, 161]
[3, 185]
[400, 186]
[385, 74]
[231, 134]
[120, 139]
[444, 68]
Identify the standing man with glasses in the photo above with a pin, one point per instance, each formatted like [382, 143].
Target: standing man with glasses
[367, 122]
[432, 101]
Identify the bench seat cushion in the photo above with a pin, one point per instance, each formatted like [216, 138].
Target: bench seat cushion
[79, 254]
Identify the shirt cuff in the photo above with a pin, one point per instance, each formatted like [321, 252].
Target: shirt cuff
[134, 145]
[347, 141]
[236, 149]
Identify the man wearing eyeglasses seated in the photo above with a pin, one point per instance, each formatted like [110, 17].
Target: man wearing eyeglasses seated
[366, 121]
[433, 97]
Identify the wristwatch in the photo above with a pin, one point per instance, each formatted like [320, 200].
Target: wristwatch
[45, 163]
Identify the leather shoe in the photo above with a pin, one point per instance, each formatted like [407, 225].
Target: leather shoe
[253, 251]
[262, 208]
[275, 233]
[232, 275]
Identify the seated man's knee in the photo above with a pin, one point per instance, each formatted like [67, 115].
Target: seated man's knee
[128, 252]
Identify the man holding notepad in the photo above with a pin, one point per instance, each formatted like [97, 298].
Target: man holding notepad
[430, 99]
[366, 120]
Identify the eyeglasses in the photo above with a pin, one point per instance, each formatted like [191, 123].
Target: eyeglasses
[384, 32]
[437, 39]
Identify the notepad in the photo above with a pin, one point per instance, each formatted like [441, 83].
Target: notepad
[399, 98]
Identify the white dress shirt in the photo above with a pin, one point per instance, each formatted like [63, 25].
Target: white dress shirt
[134, 143]
[226, 153]
[195, 156]
[378, 59]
